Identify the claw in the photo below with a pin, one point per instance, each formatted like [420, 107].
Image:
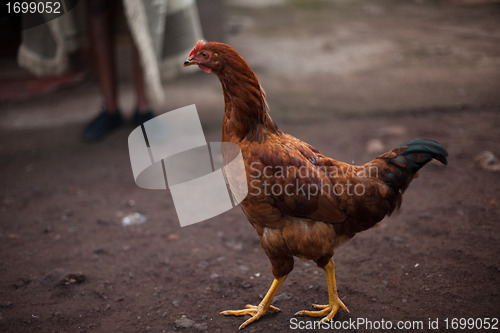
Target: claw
[255, 311]
[326, 311]
[258, 311]
[334, 304]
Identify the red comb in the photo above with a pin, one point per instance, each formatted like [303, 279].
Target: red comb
[198, 45]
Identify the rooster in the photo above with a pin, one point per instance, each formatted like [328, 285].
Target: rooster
[302, 203]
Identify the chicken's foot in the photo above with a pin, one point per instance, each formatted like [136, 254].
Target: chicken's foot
[334, 302]
[258, 311]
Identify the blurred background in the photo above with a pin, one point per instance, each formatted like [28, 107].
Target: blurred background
[345, 57]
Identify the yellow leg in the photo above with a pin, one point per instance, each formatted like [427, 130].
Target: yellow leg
[334, 302]
[258, 311]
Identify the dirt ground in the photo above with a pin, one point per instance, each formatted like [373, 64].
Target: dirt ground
[340, 75]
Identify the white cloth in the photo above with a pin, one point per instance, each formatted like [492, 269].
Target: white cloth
[164, 32]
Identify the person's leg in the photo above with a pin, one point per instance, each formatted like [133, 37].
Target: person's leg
[101, 37]
[143, 110]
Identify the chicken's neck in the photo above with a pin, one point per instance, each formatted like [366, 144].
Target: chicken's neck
[246, 113]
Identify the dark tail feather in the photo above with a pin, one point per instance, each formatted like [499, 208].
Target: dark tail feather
[415, 154]
[405, 161]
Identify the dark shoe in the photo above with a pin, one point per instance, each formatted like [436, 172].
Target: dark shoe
[141, 118]
[102, 125]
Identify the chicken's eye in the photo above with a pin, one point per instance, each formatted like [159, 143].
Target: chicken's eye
[204, 55]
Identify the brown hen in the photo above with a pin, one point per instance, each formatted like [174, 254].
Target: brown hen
[301, 202]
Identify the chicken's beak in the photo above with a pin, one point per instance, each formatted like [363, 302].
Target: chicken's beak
[189, 62]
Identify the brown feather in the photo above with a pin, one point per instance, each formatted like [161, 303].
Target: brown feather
[318, 213]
